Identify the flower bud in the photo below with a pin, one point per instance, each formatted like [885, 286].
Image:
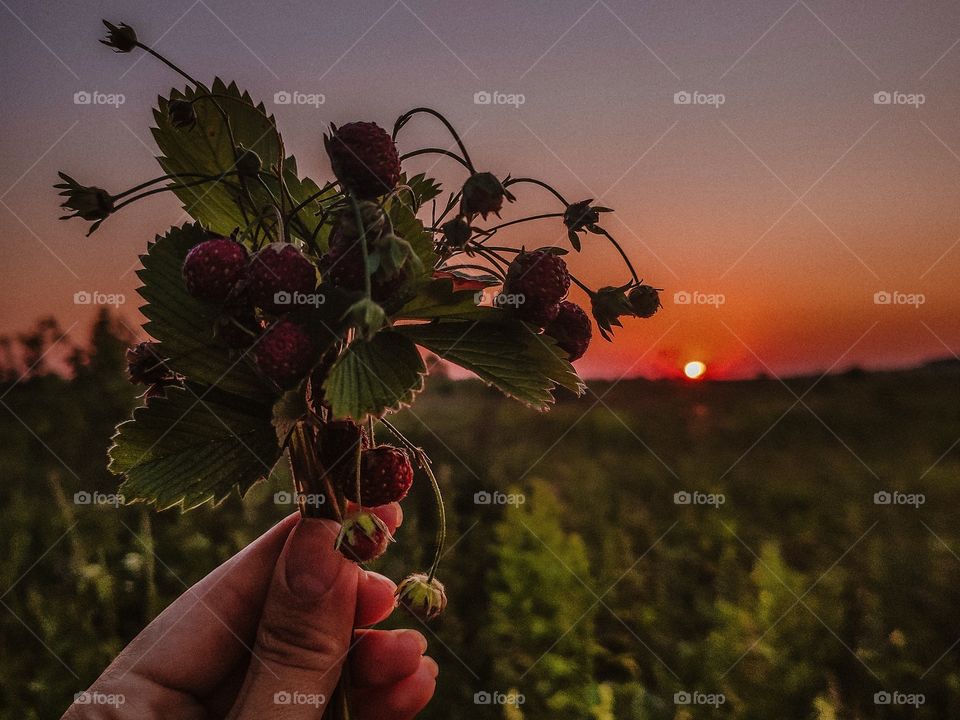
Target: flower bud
[645, 300]
[181, 114]
[483, 193]
[363, 536]
[422, 598]
[122, 39]
[456, 233]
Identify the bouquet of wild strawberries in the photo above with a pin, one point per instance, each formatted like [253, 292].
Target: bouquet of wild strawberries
[289, 318]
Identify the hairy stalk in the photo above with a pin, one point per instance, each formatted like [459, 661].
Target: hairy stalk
[626, 259]
[169, 188]
[436, 151]
[367, 286]
[541, 183]
[401, 121]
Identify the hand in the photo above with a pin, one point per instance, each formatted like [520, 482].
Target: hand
[266, 634]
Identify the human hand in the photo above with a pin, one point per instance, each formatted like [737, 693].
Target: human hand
[267, 634]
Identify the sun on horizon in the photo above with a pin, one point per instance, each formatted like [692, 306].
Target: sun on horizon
[694, 370]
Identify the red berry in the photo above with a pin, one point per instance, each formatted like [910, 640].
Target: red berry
[540, 281]
[364, 159]
[342, 267]
[277, 274]
[385, 477]
[212, 268]
[363, 536]
[571, 329]
[285, 353]
[338, 442]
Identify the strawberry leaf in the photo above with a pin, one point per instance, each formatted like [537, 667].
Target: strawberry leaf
[184, 325]
[438, 299]
[508, 355]
[372, 377]
[193, 445]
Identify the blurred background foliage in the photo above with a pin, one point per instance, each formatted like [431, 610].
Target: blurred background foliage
[597, 596]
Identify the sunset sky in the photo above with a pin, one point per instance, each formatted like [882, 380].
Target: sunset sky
[794, 202]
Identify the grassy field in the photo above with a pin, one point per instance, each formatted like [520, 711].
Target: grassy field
[656, 549]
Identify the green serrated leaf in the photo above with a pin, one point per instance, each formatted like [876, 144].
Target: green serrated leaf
[374, 376]
[184, 326]
[191, 446]
[291, 407]
[423, 188]
[508, 355]
[437, 299]
[206, 148]
[408, 226]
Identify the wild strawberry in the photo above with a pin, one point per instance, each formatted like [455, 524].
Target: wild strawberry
[571, 329]
[483, 193]
[342, 267]
[645, 300]
[540, 280]
[364, 158]
[212, 268]
[285, 353]
[385, 477]
[277, 274]
[363, 536]
[422, 597]
[340, 442]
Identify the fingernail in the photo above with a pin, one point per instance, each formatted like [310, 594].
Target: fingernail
[432, 665]
[388, 586]
[311, 564]
[416, 637]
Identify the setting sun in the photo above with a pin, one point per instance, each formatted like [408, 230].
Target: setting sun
[694, 369]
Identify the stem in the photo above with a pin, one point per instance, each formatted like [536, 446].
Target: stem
[581, 285]
[491, 230]
[320, 193]
[165, 189]
[306, 473]
[166, 62]
[541, 183]
[436, 151]
[424, 462]
[636, 278]
[363, 246]
[169, 176]
[410, 113]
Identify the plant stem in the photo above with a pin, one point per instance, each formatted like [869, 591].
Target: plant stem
[491, 230]
[429, 111]
[436, 151]
[424, 462]
[541, 183]
[166, 62]
[367, 288]
[171, 188]
[636, 278]
[169, 176]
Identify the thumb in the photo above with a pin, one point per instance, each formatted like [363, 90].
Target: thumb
[305, 629]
